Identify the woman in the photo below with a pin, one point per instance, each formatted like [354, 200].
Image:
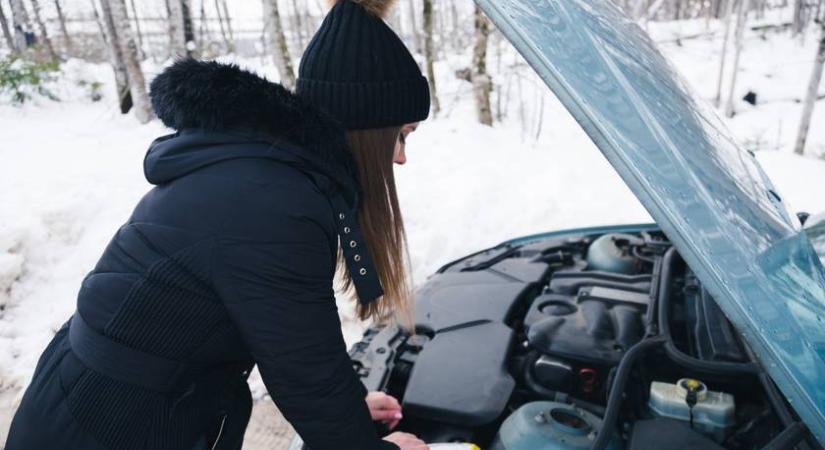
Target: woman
[228, 262]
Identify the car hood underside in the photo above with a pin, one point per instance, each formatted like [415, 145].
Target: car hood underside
[710, 197]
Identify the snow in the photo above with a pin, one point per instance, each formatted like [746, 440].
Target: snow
[72, 172]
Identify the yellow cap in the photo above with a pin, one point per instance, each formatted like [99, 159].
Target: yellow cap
[692, 384]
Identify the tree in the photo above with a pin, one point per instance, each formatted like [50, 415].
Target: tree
[741, 18]
[62, 18]
[137, 29]
[482, 84]
[226, 30]
[44, 35]
[109, 32]
[298, 22]
[177, 36]
[21, 24]
[6, 32]
[280, 51]
[124, 40]
[811, 95]
[798, 23]
[717, 100]
[188, 27]
[428, 53]
[414, 27]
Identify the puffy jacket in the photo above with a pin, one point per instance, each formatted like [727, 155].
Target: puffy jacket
[227, 262]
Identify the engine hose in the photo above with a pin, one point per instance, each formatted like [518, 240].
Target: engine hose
[676, 355]
[614, 402]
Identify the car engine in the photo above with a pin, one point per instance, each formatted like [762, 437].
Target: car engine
[600, 340]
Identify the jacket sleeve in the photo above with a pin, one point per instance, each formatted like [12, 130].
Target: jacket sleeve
[276, 283]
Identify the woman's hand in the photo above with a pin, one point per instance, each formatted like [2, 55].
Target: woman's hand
[406, 441]
[384, 408]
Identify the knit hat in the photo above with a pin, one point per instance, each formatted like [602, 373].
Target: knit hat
[359, 71]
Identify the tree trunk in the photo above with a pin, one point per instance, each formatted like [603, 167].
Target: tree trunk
[62, 18]
[482, 84]
[177, 38]
[416, 35]
[20, 22]
[203, 31]
[798, 23]
[7, 32]
[280, 51]
[811, 96]
[741, 18]
[124, 95]
[428, 53]
[717, 100]
[135, 17]
[44, 34]
[298, 23]
[128, 48]
[456, 36]
[188, 28]
[227, 38]
[228, 19]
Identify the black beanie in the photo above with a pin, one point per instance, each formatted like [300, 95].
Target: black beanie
[359, 71]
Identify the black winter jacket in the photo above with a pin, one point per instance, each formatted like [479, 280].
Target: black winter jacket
[226, 263]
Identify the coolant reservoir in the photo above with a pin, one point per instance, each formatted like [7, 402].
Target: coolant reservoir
[611, 253]
[713, 412]
[549, 426]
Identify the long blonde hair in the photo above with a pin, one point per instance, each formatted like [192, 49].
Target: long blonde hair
[382, 225]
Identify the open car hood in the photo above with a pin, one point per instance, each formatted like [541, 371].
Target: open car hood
[710, 197]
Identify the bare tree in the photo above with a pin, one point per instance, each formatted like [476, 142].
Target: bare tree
[741, 18]
[717, 100]
[21, 24]
[44, 34]
[298, 22]
[812, 94]
[177, 37]
[109, 32]
[128, 48]
[226, 30]
[280, 51]
[429, 53]
[62, 18]
[456, 36]
[482, 83]
[798, 23]
[136, 18]
[188, 27]
[416, 34]
[6, 32]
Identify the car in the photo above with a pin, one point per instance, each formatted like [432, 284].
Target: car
[704, 330]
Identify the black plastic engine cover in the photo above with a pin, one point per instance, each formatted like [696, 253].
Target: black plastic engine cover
[461, 377]
[464, 294]
[592, 317]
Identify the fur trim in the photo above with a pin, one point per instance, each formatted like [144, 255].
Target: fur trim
[378, 8]
[213, 96]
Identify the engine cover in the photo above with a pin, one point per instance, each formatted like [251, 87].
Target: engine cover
[589, 316]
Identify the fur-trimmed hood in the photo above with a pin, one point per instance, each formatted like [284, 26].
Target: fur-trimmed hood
[213, 105]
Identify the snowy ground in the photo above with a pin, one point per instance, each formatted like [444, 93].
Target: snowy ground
[72, 172]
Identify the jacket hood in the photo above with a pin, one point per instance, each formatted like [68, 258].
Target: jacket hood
[221, 112]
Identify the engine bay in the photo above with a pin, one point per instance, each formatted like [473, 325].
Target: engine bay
[603, 341]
